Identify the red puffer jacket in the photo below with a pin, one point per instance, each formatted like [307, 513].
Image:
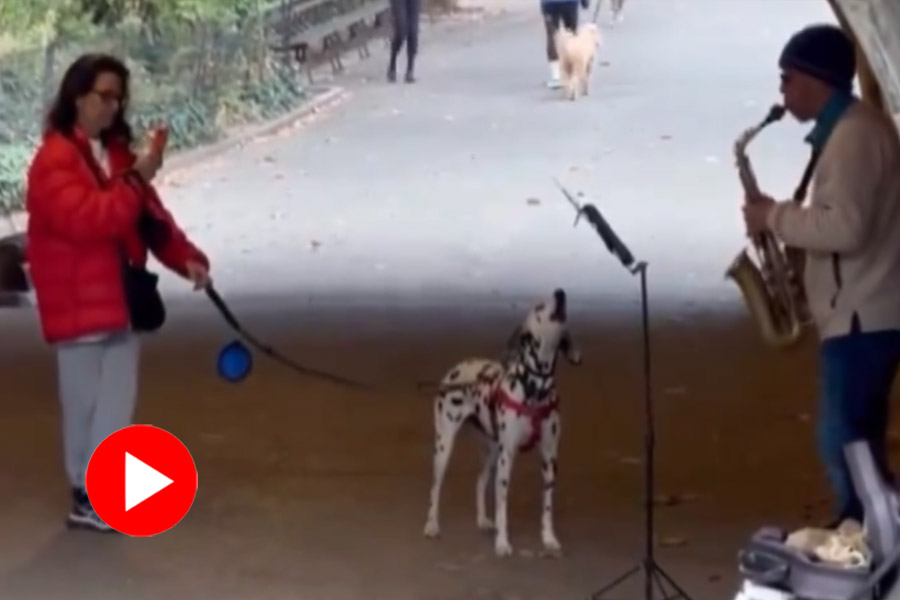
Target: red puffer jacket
[78, 227]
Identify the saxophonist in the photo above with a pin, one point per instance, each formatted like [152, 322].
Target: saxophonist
[849, 233]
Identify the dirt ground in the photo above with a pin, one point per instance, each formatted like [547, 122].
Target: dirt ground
[308, 491]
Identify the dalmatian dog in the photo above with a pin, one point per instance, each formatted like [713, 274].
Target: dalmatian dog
[513, 402]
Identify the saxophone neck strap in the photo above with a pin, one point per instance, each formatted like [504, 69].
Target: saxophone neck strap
[800, 192]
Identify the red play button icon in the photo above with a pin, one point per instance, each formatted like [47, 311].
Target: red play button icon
[141, 480]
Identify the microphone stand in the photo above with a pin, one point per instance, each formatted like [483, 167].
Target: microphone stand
[653, 572]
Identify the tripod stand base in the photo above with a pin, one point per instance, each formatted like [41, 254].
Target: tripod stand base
[654, 575]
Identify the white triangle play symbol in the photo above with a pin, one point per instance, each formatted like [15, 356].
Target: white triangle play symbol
[141, 481]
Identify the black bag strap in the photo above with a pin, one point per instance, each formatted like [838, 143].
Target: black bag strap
[128, 177]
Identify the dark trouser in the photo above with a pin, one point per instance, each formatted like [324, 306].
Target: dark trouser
[405, 14]
[554, 14]
[857, 372]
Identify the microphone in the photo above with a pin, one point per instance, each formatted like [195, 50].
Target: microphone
[603, 229]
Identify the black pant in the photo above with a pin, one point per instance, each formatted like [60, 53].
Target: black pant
[554, 14]
[405, 15]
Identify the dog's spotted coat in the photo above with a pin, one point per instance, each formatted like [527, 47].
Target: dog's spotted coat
[514, 404]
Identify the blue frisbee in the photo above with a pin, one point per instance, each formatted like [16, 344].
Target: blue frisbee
[235, 362]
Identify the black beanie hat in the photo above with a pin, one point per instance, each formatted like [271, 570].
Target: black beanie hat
[824, 52]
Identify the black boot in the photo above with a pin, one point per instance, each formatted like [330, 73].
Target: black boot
[410, 70]
[392, 64]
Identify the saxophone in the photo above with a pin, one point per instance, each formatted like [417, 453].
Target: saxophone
[772, 291]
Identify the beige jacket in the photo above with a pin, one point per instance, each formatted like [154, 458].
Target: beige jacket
[850, 226]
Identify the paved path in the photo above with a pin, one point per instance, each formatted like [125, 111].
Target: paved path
[424, 189]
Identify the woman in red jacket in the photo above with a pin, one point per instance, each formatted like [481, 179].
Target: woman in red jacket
[87, 193]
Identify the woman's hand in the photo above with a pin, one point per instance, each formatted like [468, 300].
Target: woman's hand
[148, 164]
[198, 273]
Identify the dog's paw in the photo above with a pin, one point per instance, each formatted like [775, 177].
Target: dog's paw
[485, 524]
[552, 549]
[432, 530]
[502, 548]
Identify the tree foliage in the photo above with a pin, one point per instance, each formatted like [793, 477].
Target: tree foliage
[200, 65]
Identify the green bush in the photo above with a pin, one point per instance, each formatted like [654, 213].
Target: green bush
[200, 78]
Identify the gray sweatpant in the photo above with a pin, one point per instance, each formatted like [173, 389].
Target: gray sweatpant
[97, 382]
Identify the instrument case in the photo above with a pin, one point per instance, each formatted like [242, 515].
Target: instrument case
[765, 561]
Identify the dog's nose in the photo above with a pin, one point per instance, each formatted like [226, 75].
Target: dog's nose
[559, 299]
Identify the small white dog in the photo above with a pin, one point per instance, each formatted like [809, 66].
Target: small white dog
[514, 404]
[577, 53]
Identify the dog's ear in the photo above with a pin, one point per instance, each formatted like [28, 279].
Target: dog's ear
[514, 343]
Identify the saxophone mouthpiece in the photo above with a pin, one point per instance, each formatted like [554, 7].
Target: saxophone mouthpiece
[775, 113]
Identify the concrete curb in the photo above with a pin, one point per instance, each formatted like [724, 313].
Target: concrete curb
[321, 99]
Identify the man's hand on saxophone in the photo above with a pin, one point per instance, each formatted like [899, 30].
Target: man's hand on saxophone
[756, 213]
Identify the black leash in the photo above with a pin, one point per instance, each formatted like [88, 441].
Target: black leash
[233, 322]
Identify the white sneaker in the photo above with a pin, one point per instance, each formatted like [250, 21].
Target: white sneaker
[554, 81]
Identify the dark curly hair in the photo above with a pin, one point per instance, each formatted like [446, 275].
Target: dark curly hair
[77, 82]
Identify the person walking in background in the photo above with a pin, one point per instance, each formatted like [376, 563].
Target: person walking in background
[87, 193]
[558, 13]
[405, 17]
[849, 232]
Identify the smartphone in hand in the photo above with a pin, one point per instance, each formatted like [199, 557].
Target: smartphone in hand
[159, 140]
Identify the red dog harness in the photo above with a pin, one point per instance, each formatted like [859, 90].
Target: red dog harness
[537, 414]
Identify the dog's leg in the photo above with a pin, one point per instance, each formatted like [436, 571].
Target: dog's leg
[572, 87]
[550, 432]
[492, 451]
[586, 82]
[448, 417]
[506, 458]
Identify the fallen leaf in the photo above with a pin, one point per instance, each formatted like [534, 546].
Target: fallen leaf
[672, 542]
[667, 500]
